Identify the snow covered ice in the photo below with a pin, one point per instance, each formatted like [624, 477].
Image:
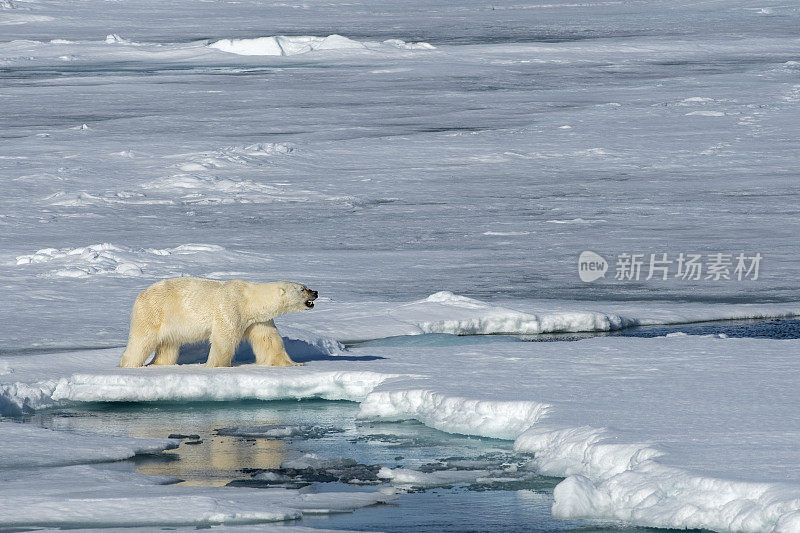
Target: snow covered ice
[433, 169]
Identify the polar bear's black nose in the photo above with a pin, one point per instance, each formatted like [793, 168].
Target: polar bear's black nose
[314, 293]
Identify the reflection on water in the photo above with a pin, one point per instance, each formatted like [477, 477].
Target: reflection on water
[205, 457]
[216, 460]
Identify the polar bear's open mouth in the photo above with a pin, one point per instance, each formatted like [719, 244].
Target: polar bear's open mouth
[312, 295]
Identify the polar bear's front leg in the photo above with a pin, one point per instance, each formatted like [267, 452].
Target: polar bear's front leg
[267, 345]
[222, 350]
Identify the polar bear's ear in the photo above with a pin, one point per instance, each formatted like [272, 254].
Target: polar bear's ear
[283, 291]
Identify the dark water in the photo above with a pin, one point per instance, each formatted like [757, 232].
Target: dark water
[778, 328]
[784, 328]
[461, 511]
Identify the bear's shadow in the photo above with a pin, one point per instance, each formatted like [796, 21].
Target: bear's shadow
[299, 351]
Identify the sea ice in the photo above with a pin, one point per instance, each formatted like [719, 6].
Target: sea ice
[27, 446]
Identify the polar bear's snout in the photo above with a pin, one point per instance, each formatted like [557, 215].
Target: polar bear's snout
[310, 297]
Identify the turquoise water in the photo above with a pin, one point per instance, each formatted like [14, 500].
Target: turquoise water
[229, 444]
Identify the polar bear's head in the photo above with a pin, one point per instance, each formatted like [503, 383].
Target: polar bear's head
[295, 297]
[265, 301]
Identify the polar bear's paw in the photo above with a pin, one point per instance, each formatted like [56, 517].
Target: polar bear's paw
[285, 362]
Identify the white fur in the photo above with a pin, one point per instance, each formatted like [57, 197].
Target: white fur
[177, 311]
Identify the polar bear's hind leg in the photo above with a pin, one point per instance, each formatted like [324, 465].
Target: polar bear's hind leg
[144, 332]
[138, 350]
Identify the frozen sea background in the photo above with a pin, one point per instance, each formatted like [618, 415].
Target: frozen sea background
[442, 189]
[390, 174]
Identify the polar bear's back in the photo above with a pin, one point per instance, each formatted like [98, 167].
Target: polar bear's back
[189, 292]
[183, 308]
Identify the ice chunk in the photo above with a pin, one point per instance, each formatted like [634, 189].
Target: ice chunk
[706, 113]
[438, 478]
[113, 38]
[17, 398]
[304, 343]
[282, 45]
[397, 43]
[262, 431]
[279, 432]
[314, 461]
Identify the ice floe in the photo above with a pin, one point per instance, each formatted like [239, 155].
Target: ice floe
[282, 45]
[28, 446]
[314, 461]
[277, 432]
[29, 383]
[115, 499]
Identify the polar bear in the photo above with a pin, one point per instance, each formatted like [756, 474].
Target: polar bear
[177, 311]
